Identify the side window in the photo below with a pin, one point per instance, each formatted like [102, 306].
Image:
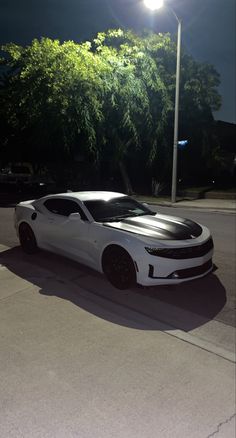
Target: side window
[52, 205]
[64, 207]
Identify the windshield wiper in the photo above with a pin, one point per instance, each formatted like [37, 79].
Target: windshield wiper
[115, 218]
[123, 217]
[151, 213]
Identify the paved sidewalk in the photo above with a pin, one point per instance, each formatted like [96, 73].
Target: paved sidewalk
[227, 205]
[77, 361]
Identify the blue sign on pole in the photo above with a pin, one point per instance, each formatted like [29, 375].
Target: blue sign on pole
[182, 144]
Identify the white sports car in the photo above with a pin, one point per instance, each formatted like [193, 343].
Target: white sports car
[115, 234]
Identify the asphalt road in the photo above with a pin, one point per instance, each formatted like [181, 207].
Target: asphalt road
[212, 297]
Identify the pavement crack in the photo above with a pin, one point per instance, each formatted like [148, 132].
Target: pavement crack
[220, 425]
[4, 298]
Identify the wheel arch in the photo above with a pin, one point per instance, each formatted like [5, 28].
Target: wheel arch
[27, 238]
[119, 267]
[26, 222]
[21, 222]
[117, 245]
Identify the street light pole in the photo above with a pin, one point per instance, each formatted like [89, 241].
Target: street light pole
[154, 5]
[176, 121]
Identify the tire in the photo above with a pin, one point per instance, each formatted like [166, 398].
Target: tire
[119, 267]
[27, 239]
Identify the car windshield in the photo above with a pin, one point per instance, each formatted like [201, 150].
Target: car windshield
[116, 209]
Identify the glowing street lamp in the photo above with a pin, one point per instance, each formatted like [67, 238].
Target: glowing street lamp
[154, 5]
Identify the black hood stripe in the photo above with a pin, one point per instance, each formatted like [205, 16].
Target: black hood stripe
[155, 228]
[159, 227]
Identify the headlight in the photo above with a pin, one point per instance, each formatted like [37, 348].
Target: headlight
[188, 252]
[162, 252]
[155, 251]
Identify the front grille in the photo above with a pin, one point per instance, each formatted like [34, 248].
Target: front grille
[188, 252]
[193, 272]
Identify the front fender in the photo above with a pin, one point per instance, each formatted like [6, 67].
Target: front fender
[130, 245]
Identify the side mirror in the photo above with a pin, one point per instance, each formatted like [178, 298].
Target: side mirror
[75, 217]
[145, 204]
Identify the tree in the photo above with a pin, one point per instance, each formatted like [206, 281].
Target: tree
[65, 99]
[52, 98]
[110, 99]
[155, 58]
[136, 102]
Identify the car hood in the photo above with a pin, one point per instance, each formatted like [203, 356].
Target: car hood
[159, 226]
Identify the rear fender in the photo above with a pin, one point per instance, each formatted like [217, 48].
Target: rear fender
[23, 213]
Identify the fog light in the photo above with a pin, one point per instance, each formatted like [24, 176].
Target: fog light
[175, 275]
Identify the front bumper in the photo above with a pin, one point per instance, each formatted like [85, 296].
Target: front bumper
[187, 273]
[155, 270]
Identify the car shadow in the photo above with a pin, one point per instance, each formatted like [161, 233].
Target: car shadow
[205, 296]
[186, 306]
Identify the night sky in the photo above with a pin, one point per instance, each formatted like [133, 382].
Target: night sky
[208, 29]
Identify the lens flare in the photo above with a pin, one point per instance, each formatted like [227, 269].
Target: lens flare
[153, 4]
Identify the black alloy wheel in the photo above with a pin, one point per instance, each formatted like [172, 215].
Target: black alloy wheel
[119, 267]
[27, 239]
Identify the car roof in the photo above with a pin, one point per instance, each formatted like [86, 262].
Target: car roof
[86, 195]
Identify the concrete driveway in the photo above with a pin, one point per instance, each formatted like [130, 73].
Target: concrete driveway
[81, 359]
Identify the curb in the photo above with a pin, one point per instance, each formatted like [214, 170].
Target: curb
[199, 207]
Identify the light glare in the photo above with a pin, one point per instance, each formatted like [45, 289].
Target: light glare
[153, 4]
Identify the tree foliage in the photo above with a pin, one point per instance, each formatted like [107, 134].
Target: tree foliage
[108, 99]
[52, 96]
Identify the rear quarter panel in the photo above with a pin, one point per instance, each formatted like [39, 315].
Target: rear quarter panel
[23, 213]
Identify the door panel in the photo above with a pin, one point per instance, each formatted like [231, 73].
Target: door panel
[61, 234]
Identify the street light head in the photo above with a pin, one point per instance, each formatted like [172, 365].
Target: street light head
[153, 4]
